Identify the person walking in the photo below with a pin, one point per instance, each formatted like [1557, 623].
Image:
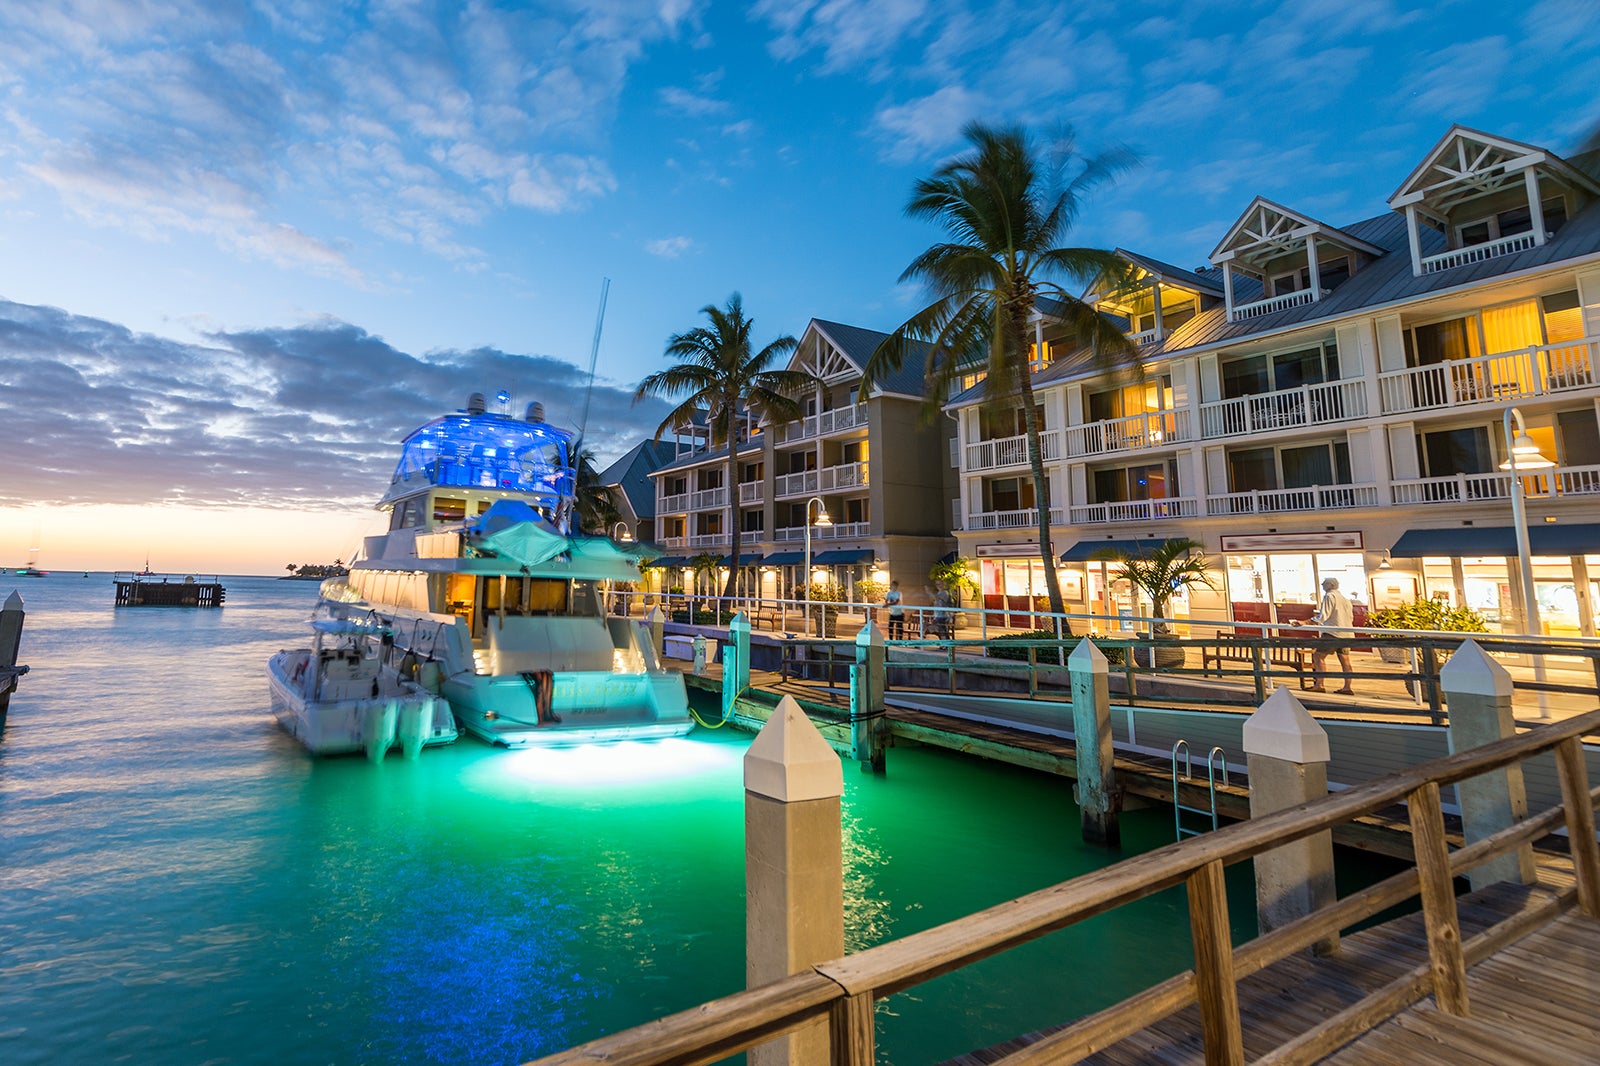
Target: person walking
[897, 612]
[1334, 612]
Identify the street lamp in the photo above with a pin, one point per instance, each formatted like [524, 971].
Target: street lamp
[1523, 455]
[625, 537]
[822, 520]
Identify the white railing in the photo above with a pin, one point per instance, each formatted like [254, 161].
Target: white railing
[1454, 488]
[1538, 371]
[1011, 451]
[672, 542]
[1143, 337]
[705, 499]
[1477, 253]
[710, 540]
[1027, 518]
[1309, 405]
[1154, 429]
[750, 492]
[1272, 501]
[806, 481]
[828, 479]
[836, 531]
[668, 504]
[820, 425]
[1577, 480]
[1239, 312]
[1135, 510]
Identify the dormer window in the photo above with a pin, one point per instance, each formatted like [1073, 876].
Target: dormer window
[1154, 298]
[1274, 258]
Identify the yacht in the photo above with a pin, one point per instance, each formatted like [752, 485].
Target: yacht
[492, 601]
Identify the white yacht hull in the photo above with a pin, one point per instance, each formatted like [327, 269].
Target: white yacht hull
[401, 714]
[586, 707]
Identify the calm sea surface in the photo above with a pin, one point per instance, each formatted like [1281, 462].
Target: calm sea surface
[181, 883]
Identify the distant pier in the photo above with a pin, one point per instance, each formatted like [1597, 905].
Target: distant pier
[138, 590]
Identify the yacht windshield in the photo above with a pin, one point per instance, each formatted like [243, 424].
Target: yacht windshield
[490, 452]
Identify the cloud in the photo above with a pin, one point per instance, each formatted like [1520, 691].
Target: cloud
[1459, 79]
[845, 31]
[307, 416]
[687, 103]
[669, 247]
[929, 124]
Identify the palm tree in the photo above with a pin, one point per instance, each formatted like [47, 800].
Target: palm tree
[597, 511]
[1160, 571]
[719, 376]
[1006, 207]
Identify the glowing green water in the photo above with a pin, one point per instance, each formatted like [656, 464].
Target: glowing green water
[180, 883]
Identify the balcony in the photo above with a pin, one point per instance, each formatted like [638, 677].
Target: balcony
[708, 499]
[710, 540]
[1154, 429]
[1309, 405]
[1134, 511]
[672, 504]
[1477, 253]
[1027, 518]
[672, 542]
[825, 424]
[1002, 452]
[837, 531]
[1459, 488]
[828, 479]
[1276, 501]
[1540, 371]
[1256, 308]
[750, 492]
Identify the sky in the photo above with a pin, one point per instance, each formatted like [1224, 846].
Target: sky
[245, 247]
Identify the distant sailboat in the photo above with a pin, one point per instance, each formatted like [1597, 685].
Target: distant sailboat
[32, 569]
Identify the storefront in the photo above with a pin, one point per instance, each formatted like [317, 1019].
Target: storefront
[1478, 568]
[1012, 580]
[1090, 585]
[1277, 577]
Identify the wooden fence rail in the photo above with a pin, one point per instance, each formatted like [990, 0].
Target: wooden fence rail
[843, 991]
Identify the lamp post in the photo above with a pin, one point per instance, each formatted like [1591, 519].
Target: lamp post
[822, 520]
[624, 537]
[1523, 455]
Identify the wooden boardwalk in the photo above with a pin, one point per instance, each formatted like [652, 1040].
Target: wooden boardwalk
[1539, 996]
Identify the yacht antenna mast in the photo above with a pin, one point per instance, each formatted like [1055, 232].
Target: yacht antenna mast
[594, 356]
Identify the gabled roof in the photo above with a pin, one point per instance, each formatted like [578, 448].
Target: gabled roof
[630, 475]
[1174, 275]
[1468, 163]
[857, 345]
[1271, 227]
[706, 455]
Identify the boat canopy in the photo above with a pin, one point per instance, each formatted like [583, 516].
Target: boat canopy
[490, 451]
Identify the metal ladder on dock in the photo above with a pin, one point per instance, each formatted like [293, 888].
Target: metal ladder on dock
[1216, 758]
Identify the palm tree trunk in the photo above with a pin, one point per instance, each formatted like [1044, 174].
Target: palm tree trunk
[1041, 492]
[733, 512]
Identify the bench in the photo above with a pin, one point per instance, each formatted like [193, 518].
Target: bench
[1274, 656]
[766, 616]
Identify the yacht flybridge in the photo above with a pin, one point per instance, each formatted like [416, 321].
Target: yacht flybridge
[494, 603]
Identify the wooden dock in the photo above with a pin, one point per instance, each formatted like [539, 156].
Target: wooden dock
[135, 592]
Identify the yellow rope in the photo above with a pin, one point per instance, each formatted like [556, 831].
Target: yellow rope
[718, 724]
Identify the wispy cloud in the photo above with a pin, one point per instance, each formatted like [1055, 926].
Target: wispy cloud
[669, 247]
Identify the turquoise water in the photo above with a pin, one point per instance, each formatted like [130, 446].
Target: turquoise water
[181, 883]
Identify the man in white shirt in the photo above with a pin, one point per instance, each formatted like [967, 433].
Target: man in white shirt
[1333, 612]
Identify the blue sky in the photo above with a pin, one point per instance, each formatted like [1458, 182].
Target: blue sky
[423, 192]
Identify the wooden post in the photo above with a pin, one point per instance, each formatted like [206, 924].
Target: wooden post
[1287, 753]
[1430, 682]
[1580, 824]
[794, 869]
[1257, 669]
[11, 617]
[1447, 964]
[1215, 989]
[867, 699]
[1478, 691]
[850, 1031]
[735, 663]
[1099, 801]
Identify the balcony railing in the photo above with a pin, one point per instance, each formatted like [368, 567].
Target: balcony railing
[821, 425]
[1477, 253]
[1135, 510]
[710, 540]
[1309, 405]
[1002, 452]
[1027, 518]
[837, 531]
[672, 542]
[1154, 429]
[1456, 488]
[1539, 371]
[1274, 501]
[706, 499]
[671, 504]
[750, 492]
[1240, 312]
[828, 479]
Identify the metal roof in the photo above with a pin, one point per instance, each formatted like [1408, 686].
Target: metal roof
[630, 475]
[857, 345]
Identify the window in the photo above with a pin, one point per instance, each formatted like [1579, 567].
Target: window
[854, 396]
[751, 472]
[1512, 221]
[1252, 470]
[854, 451]
[857, 511]
[711, 479]
[997, 425]
[1302, 466]
[1440, 342]
[753, 521]
[802, 461]
[672, 528]
[1257, 374]
[1009, 494]
[449, 509]
[1149, 481]
[709, 524]
[1456, 451]
[1580, 437]
[1331, 273]
[676, 486]
[1155, 394]
[1563, 317]
[1511, 327]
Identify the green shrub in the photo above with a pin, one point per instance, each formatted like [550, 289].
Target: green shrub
[1429, 614]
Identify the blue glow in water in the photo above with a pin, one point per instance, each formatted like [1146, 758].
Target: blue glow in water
[181, 883]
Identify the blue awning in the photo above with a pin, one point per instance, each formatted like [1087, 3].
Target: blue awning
[1497, 541]
[746, 559]
[1085, 550]
[785, 559]
[844, 556]
[669, 561]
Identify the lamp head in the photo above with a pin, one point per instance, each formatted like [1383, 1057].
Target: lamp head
[822, 518]
[1528, 456]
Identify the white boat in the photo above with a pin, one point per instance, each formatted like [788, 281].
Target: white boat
[350, 694]
[485, 588]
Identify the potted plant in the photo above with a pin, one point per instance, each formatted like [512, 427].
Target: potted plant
[829, 596]
[1157, 572]
[1435, 615]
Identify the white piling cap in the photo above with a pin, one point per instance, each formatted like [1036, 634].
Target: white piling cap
[14, 602]
[653, 615]
[1472, 673]
[1284, 729]
[1086, 657]
[870, 636]
[789, 761]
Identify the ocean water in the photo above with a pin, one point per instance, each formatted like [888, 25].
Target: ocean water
[180, 883]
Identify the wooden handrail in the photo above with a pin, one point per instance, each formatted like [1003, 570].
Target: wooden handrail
[744, 1019]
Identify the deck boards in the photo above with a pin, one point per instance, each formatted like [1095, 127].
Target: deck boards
[1537, 1001]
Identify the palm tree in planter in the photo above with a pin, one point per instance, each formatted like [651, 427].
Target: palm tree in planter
[1006, 205]
[1157, 573]
[720, 377]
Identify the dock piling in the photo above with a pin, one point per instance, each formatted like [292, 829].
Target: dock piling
[735, 662]
[1287, 754]
[794, 868]
[656, 619]
[1478, 692]
[1099, 800]
[867, 682]
[11, 616]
